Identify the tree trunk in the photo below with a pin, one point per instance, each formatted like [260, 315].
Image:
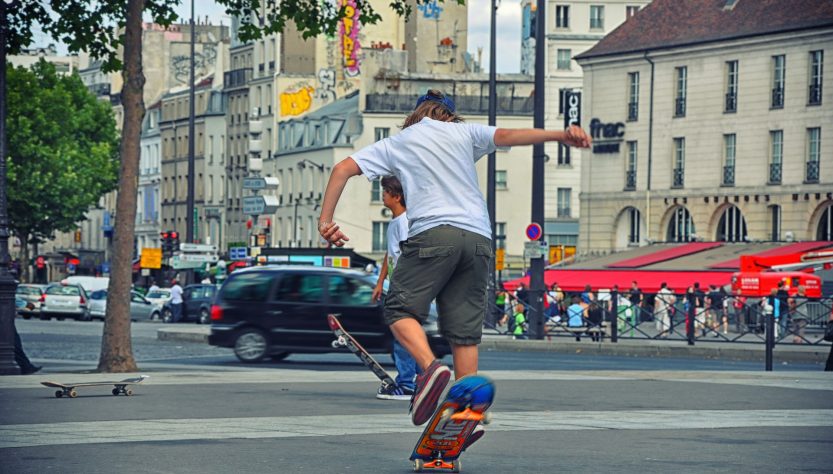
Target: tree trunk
[116, 348]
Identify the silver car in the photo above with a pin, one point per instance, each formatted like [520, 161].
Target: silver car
[61, 301]
[33, 296]
[140, 308]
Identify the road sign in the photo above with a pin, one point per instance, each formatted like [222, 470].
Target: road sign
[535, 249]
[257, 182]
[500, 259]
[198, 248]
[237, 253]
[198, 257]
[177, 263]
[259, 205]
[534, 231]
[151, 258]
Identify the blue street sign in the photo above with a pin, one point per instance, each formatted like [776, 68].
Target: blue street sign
[534, 231]
[238, 253]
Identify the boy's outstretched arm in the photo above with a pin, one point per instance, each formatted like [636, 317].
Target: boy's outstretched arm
[328, 229]
[572, 136]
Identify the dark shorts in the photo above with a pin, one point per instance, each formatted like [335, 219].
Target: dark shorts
[450, 265]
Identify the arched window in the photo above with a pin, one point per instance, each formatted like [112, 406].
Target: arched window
[680, 226]
[732, 226]
[629, 229]
[825, 228]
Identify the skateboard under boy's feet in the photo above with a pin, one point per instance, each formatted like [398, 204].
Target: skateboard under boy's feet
[444, 438]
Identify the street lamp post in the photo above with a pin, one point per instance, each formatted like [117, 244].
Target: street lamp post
[536, 274]
[491, 199]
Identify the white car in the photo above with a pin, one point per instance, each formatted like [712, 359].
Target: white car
[140, 308]
[63, 301]
[159, 297]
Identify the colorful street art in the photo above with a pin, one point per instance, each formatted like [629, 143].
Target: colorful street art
[349, 33]
[296, 100]
[431, 10]
[326, 85]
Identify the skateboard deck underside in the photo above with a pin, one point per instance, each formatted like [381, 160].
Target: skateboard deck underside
[345, 339]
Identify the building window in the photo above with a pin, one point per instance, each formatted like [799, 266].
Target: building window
[376, 190]
[380, 232]
[679, 163]
[562, 16]
[597, 17]
[681, 226]
[564, 59]
[633, 96]
[563, 155]
[816, 70]
[778, 78]
[630, 169]
[732, 226]
[630, 11]
[634, 218]
[564, 202]
[682, 80]
[776, 155]
[500, 235]
[825, 228]
[500, 179]
[380, 133]
[775, 222]
[731, 87]
[813, 152]
[729, 143]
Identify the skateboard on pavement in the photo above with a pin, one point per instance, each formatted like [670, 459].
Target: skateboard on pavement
[444, 438]
[120, 386]
[344, 339]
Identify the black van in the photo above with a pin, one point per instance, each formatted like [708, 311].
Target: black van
[277, 310]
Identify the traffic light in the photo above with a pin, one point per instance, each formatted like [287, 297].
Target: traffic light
[164, 237]
[174, 235]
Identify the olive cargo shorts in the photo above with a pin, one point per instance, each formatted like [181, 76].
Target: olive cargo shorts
[451, 265]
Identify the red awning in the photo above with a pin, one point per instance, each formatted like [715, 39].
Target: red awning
[648, 281]
[797, 247]
[666, 254]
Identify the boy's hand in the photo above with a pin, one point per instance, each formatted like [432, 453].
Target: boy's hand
[575, 136]
[377, 293]
[332, 234]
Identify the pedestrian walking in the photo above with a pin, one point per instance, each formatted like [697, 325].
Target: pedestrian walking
[176, 301]
[26, 366]
[406, 367]
[664, 301]
[448, 251]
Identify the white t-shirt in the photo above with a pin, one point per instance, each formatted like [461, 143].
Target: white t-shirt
[397, 232]
[434, 161]
[176, 294]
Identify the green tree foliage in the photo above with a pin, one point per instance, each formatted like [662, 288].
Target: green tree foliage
[63, 151]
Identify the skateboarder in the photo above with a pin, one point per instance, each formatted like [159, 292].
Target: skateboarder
[448, 250]
[394, 199]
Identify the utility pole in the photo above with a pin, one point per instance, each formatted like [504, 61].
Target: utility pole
[536, 274]
[491, 199]
[8, 285]
[190, 218]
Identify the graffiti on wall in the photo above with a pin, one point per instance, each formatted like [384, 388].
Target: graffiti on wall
[348, 29]
[203, 61]
[326, 85]
[297, 99]
[431, 10]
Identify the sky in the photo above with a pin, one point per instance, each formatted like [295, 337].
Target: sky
[508, 29]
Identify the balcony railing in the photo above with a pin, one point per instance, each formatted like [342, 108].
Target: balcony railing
[775, 173]
[237, 77]
[633, 111]
[814, 95]
[729, 175]
[679, 109]
[679, 178]
[731, 102]
[630, 180]
[466, 104]
[777, 97]
[812, 172]
[564, 212]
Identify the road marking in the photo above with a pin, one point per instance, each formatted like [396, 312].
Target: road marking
[132, 431]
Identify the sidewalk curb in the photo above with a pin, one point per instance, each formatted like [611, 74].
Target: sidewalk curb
[627, 348]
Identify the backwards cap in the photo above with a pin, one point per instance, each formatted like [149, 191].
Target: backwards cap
[439, 98]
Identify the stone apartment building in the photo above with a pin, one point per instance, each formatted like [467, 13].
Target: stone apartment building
[712, 121]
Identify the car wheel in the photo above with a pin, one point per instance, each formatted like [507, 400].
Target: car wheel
[250, 345]
[155, 316]
[167, 316]
[45, 317]
[205, 316]
[25, 316]
[280, 356]
[86, 317]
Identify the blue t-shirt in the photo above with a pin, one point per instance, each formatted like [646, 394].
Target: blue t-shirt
[575, 313]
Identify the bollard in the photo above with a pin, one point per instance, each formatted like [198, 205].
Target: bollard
[614, 317]
[689, 320]
[770, 339]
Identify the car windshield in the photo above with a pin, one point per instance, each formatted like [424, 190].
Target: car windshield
[28, 290]
[63, 291]
[158, 294]
[99, 295]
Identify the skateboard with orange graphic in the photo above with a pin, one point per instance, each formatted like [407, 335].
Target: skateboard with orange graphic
[445, 436]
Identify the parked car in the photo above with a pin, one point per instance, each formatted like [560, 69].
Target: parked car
[141, 309]
[61, 301]
[275, 311]
[89, 283]
[33, 297]
[196, 304]
[159, 297]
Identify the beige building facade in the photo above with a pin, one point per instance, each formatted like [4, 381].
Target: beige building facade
[724, 140]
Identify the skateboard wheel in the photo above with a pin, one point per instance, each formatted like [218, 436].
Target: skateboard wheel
[487, 418]
[73, 394]
[335, 344]
[59, 394]
[455, 466]
[446, 414]
[417, 465]
[128, 392]
[115, 391]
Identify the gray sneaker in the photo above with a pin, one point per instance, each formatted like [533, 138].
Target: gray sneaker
[394, 392]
